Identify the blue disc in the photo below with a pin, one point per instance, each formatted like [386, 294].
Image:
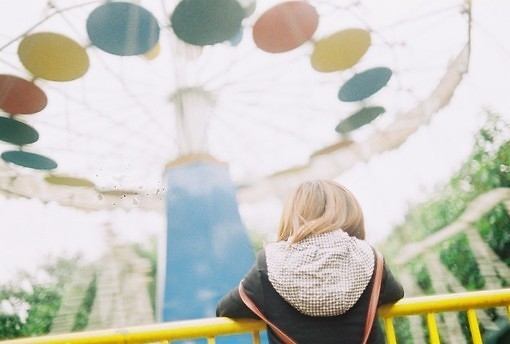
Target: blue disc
[30, 160]
[123, 29]
[363, 85]
[207, 22]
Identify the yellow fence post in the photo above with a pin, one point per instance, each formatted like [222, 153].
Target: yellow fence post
[473, 327]
[432, 326]
[256, 337]
[390, 331]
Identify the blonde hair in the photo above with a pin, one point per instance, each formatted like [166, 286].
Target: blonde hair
[320, 206]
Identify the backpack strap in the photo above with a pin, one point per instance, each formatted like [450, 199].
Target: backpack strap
[374, 298]
[251, 305]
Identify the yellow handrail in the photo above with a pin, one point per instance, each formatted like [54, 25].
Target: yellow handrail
[447, 303]
[211, 328]
[430, 305]
[175, 330]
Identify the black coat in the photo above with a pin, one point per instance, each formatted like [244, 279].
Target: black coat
[347, 328]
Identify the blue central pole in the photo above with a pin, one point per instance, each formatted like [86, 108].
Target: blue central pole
[207, 250]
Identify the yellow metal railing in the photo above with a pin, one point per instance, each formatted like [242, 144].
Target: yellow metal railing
[209, 329]
[431, 305]
[212, 328]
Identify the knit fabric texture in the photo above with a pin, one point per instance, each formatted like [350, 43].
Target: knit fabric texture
[321, 275]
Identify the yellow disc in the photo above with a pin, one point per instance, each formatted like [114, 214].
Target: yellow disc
[340, 51]
[68, 181]
[52, 56]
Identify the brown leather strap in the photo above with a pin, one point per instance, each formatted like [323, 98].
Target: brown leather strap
[249, 303]
[374, 298]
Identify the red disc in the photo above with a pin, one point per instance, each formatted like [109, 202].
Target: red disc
[285, 26]
[20, 96]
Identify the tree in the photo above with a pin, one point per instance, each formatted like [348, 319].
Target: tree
[30, 302]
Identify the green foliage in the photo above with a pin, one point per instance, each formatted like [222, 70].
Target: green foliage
[494, 228]
[10, 326]
[435, 214]
[423, 279]
[82, 317]
[458, 258]
[34, 298]
[44, 303]
[403, 330]
[487, 167]
[151, 255]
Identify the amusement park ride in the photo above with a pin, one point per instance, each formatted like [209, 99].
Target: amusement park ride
[197, 104]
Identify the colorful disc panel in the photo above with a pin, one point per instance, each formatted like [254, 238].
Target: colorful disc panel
[123, 29]
[340, 51]
[364, 84]
[52, 56]
[16, 132]
[68, 181]
[30, 160]
[20, 97]
[359, 119]
[285, 26]
[207, 22]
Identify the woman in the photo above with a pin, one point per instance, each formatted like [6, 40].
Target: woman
[314, 283]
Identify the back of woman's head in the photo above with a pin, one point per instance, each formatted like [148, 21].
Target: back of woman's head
[320, 206]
